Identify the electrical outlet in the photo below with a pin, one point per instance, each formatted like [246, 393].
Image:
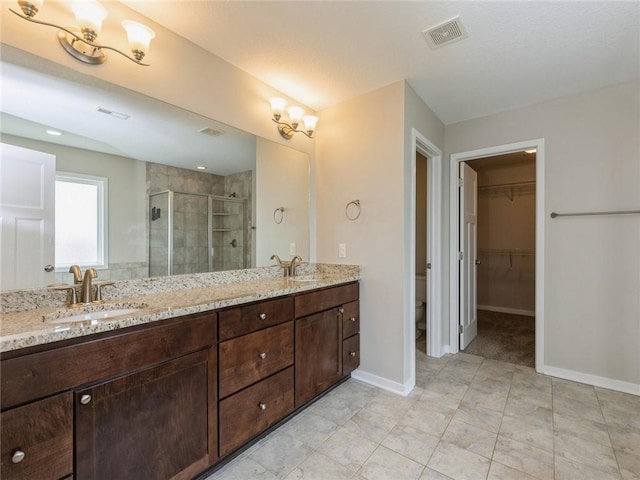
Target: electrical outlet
[342, 250]
[292, 249]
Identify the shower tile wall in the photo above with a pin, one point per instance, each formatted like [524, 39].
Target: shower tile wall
[190, 253]
[239, 184]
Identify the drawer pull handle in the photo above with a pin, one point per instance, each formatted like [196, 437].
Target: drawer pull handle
[353, 319]
[263, 355]
[262, 406]
[341, 310]
[262, 316]
[353, 354]
[85, 399]
[17, 456]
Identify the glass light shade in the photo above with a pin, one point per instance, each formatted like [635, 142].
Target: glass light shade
[30, 7]
[277, 106]
[89, 15]
[295, 114]
[139, 36]
[310, 122]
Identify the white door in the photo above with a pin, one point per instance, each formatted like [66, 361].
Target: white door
[468, 239]
[27, 218]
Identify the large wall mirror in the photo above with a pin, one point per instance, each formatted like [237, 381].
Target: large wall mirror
[182, 193]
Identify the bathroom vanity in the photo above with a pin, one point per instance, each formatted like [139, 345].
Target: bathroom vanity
[172, 397]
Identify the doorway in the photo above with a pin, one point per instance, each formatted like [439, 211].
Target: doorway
[507, 259]
[503, 260]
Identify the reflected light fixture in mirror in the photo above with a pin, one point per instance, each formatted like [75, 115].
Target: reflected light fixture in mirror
[81, 41]
[296, 115]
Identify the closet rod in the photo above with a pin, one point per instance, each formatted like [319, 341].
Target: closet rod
[583, 214]
[514, 184]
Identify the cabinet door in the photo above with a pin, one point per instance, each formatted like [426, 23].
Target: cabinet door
[37, 440]
[151, 424]
[318, 354]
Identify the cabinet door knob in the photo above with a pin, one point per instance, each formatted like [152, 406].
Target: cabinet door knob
[341, 310]
[262, 406]
[353, 319]
[84, 399]
[262, 316]
[353, 354]
[49, 268]
[18, 456]
[263, 355]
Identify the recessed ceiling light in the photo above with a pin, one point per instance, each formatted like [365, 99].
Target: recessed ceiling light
[55, 133]
[200, 167]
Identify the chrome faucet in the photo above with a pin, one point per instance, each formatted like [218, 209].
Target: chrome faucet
[295, 263]
[85, 291]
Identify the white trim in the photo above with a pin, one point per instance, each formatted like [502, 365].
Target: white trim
[419, 143]
[384, 383]
[514, 311]
[595, 380]
[456, 158]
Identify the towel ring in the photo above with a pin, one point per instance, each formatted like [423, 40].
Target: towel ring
[356, 210]
[278, 218]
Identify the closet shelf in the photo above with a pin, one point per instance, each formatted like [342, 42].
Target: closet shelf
[508, 189]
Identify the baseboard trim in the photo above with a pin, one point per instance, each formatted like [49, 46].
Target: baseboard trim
[384, 383]
[514, 311]
[595, 380]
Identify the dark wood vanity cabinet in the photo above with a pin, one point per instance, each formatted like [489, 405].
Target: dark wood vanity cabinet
[327, 323]
[152, 422]
[142, 402]
[256, 355]
[37, 440]
[168, 400]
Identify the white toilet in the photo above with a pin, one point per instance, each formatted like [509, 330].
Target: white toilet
[421, 298]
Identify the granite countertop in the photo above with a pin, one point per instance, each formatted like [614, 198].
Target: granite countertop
[45, 325]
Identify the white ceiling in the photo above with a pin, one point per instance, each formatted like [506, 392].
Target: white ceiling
[517, 53]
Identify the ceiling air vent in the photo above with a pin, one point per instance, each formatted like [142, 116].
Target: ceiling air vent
[448, 32]
[211, 131]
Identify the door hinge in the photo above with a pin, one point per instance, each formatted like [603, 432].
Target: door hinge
[460, 329]
[429, 266]
[460, 256]
[460, 182]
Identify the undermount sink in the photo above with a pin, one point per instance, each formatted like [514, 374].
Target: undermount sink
[93, 313]
[305, 278]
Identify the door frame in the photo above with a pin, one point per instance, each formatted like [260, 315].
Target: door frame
[420, 144]
[454, 232]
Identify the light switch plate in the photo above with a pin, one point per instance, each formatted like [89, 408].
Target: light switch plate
[342, 250]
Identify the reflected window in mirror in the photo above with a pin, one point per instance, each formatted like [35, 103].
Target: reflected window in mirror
[81, 228]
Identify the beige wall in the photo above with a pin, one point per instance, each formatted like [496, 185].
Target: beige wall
[592, 264]
[421, 214]
[369, 164]
[282, 178]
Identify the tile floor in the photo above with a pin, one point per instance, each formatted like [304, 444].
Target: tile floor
[467, 418]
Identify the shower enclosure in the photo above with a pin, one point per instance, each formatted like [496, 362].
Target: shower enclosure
[196, 233]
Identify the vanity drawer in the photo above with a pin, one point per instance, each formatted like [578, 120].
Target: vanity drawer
[253, 410]
[350, 354]
[252, 357]
[351, 319]
[247, 319]
[43, 432]
[317, 301]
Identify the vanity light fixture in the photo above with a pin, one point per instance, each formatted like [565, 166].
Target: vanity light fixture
[81, 41]
[296, 115]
